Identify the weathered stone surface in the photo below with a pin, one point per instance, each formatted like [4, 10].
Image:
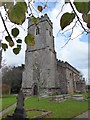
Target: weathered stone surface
[69, 78]
[40, 68]
[81, 86]
[19, 111]
[20, 100]
[78, 97]
[59, 98]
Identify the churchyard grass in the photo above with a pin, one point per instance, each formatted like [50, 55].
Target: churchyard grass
[9, 112]
[66, 109]
[30, 114]
[7, 100]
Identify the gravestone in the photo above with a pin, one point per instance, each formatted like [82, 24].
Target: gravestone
[78, 97]
[19, 111]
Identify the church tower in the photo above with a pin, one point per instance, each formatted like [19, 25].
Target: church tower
[40, 60]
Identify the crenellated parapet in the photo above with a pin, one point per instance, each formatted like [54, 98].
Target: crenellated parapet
[61, 63]
[43, 18]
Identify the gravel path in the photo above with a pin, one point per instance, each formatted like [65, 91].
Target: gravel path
[85, 115]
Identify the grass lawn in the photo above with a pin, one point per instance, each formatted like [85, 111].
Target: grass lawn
[30, 114]
[66, 109]
[10, 112]
[7, 100]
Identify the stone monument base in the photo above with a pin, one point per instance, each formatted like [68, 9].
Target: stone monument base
[18, 114]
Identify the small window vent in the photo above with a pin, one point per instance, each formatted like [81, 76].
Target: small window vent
[37, 31]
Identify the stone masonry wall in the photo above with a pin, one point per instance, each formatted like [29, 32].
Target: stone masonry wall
[81, 86]
[62, 77]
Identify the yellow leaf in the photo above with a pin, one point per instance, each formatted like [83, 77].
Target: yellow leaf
[40, 8]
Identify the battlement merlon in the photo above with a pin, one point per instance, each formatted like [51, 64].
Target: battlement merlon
[43, 18]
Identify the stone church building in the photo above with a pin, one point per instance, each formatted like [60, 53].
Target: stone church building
[43, 73]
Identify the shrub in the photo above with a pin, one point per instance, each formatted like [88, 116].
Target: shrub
[5, 89]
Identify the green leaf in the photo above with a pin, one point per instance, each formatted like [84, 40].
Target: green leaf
[8, 39]
[19, 41]
[40, 8]
[9, 4]
[17, 14]
[15, 32]
[86, 18]
[23, 4]
[16, 50]
[88, 25]
[19, 46]
[35, 20]
[29, 40]
[4, 46]
[82, 7]
[66, 19]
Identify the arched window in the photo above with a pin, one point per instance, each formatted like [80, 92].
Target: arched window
[37, 31]
[35, 90]
[70, 74]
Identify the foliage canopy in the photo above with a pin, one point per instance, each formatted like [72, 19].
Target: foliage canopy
[16, 13]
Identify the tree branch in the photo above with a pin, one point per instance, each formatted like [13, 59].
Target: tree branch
[5, 26]
[71, 39]
[78, 17]
[73, 28]
[60, 10]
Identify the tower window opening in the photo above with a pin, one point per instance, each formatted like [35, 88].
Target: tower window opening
[35, 90]
[37, 31]
[70, 74]
[50, 32]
